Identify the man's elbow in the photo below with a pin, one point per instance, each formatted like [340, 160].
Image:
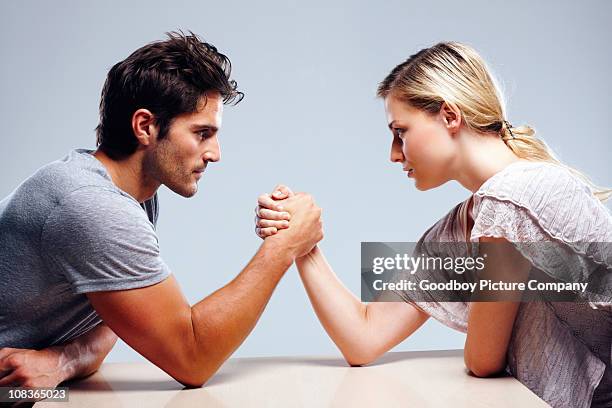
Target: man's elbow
[193, 381]
[195, 370]
[193, 377]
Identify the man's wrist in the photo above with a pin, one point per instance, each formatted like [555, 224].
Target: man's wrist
[280, 249]
[59, 361]
[67, 357]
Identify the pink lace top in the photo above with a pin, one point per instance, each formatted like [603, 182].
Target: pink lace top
[560, 350]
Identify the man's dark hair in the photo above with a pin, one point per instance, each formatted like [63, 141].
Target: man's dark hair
[166, 77]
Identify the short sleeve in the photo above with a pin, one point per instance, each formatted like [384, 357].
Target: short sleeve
[102, 240]
[554, 203]
[439, 240]
[553, 219]
[500, 218]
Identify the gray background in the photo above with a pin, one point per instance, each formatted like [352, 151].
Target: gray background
[310, 119]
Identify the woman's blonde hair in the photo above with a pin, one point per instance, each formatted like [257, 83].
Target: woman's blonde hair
[454, 73]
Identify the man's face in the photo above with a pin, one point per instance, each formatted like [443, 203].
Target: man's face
[178, 160]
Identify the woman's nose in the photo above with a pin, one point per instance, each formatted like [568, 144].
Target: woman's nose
[397, 156]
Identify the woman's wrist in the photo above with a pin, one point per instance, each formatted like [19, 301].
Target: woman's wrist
[309, 257]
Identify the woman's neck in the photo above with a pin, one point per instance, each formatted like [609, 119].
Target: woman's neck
[479, 157]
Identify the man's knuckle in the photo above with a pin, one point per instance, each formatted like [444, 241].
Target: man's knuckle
[20, 374]
[13, 361]
[27, 382]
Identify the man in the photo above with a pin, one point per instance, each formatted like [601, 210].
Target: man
[80, 258]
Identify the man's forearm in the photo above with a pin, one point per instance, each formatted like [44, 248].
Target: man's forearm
[84, 355]
[53, 365]
[224, 319]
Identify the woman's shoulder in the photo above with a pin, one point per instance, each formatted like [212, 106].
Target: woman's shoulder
[550, 195]
[449, 227]
[523, 181]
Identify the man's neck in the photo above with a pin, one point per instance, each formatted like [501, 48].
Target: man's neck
[128, 175]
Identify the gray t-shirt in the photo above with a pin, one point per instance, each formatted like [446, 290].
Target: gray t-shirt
[65, 231]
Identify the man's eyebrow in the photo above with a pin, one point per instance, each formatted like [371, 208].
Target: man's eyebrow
[212, 128]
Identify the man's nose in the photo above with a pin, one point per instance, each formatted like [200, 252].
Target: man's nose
[213, 150]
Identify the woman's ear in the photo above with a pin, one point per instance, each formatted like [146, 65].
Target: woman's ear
[451, 116]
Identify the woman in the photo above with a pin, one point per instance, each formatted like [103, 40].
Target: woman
[448, 123]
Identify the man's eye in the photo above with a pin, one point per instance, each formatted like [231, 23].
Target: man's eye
[203, 134]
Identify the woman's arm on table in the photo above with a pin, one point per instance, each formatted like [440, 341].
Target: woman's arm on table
[362, 332]
[490, 323]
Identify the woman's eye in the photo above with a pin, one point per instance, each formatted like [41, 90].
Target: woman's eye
[399, 132]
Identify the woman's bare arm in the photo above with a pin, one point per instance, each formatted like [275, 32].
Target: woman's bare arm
[362, 332]
[490, 324]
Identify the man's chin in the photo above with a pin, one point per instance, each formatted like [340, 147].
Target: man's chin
[186, 191]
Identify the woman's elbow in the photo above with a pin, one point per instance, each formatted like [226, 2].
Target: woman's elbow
[356, 358]
[484, 369]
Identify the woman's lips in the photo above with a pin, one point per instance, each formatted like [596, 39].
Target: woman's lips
[410, 171]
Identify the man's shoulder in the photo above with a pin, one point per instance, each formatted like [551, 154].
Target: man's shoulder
[93, 216]
[99, 203]
[78, 181]
[75, 169]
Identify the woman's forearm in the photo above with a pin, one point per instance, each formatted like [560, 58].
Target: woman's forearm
[361, 332]
[340, 312]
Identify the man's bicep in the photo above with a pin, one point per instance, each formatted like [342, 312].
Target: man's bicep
[154, 320]
[112, 248]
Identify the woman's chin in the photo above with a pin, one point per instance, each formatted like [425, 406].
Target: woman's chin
[423, 185]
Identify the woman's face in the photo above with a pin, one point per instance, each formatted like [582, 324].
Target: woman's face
[422, 143]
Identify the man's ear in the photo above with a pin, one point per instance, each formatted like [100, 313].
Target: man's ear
[144, 127]
[451, 116]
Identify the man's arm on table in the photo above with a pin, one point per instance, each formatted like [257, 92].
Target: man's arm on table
[53, 365]
[191, 342]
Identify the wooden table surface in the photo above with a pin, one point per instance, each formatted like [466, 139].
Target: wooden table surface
[399, 379]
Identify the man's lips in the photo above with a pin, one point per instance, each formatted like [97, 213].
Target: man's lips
[199, 172]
